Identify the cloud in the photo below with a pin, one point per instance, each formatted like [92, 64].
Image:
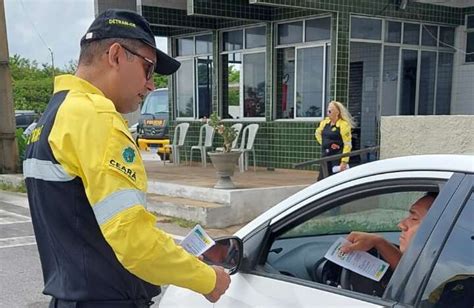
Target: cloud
[60, 24]
[35, 25]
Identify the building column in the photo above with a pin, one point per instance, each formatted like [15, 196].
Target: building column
[340, 54]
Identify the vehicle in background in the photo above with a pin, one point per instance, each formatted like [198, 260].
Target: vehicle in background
[153, 128]
[24, 118]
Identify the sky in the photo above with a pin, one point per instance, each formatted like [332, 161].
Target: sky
[35, 25]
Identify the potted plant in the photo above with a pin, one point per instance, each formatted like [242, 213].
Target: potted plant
[224, 161]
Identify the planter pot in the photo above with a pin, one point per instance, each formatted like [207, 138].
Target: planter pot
[225, 165]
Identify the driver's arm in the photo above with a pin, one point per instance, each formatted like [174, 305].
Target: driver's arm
[366, 241]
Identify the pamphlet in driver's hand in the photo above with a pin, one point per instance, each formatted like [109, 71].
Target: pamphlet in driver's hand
[359, 262]
[197, 241]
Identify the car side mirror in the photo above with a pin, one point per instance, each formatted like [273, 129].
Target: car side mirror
[227, 252]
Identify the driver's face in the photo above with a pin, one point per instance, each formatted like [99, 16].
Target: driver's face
[409, 225]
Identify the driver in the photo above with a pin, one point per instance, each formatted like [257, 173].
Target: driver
[408, 226]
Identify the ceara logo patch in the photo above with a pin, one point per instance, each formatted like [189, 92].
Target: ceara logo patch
[128, 155]
[127, 171]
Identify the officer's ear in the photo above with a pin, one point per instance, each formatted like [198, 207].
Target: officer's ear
[114, 54]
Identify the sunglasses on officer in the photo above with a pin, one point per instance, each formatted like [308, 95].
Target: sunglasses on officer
[150, 69]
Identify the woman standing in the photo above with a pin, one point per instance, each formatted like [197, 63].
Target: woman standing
[334, 135]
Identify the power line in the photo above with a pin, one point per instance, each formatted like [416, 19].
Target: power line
[38, 33]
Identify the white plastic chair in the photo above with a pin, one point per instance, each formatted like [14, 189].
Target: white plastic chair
[238, 128]
[246, 146]
[180, 132]
[203, 145]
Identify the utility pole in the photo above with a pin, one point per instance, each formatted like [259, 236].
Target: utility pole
[8, 145]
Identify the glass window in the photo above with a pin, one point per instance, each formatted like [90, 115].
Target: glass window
[233, 40]
[204, 86]
[309, 88]
[255, 37]
[470, 47]
[427, 83]
[186, 46]
[411, 34]
[318, 29]
[444, 81]
[366, 28]
[290, 33]
[393, 32]
[429, 35]
[390, 80]
[446, 36]
[379, 213]
[184, 90]
[452, 280]
[204, 44]
[254, 85]
[470, 22]
[408, 82]
[232, 66]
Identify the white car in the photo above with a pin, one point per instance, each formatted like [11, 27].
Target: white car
[277, 260]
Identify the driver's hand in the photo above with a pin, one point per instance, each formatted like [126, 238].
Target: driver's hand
[361, 241]
[222, 283]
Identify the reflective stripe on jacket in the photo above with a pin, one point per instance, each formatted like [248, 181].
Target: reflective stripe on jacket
[86, 187]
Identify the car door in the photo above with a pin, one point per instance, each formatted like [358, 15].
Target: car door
[263, 285]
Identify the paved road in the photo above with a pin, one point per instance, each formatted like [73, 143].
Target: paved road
[21, 281]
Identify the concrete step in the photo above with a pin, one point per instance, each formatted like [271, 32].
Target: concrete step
[208, 214]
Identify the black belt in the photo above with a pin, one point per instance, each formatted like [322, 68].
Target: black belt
[139, 303]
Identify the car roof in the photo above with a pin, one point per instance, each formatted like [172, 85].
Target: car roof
[438, 163]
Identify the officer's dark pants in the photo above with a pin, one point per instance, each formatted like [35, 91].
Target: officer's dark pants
[58, 303]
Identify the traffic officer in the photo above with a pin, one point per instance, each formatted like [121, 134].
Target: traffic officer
[86, 182]
[335, 137]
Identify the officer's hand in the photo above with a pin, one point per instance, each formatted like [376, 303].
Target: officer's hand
[335, 146]
[222, 283]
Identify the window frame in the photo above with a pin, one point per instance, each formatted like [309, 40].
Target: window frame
[402, 46]
[468, 31]
[304, 44]
[242, 52]
[194, 57]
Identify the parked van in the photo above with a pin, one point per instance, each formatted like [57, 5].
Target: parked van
[153, 126]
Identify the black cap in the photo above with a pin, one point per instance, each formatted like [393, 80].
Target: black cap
[127, 24]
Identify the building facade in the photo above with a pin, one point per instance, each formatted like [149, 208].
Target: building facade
[279, 62]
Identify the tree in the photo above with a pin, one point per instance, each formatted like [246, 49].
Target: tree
[32, 85]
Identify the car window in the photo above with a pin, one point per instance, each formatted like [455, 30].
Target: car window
[379, 213]
[299, 243]
[452, 281]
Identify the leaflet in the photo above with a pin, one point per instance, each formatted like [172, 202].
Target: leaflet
[359, 262]
[197, 241]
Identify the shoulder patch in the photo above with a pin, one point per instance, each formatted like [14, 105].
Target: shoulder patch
[128, 155]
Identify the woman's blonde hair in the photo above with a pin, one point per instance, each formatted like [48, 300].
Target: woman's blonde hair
[344, 113]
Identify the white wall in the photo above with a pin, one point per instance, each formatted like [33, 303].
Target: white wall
[413, 135]
[463, 78]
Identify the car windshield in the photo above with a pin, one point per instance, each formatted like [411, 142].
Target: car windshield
[156, 102]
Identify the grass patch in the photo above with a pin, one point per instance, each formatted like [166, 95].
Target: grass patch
[14, 188]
